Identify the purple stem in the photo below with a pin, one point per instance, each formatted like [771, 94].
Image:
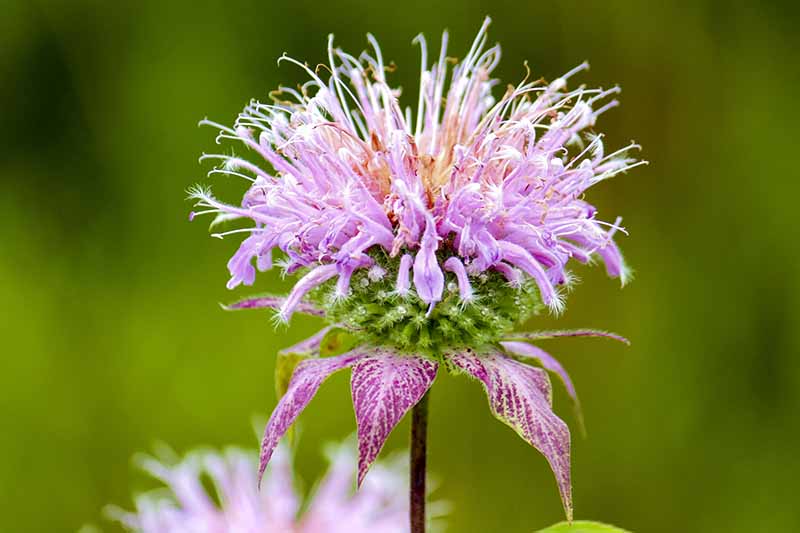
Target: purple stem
[419, 441]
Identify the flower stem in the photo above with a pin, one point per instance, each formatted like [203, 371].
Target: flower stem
[419, 442]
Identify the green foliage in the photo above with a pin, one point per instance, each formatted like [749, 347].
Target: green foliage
[582, 526]
[375, 313]
[337, 341]
[284, 368]
[109, 292]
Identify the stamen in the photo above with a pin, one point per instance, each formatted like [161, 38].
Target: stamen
[231, 173]
[231, 232]
[612, 104]
[206, 122]
[423, 46]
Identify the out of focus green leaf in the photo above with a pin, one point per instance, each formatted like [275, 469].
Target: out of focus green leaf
[582, 526]
[285, 364]
[284, 368]
[337, 341]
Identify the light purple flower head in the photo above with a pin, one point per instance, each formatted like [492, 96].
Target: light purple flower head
[235, 505]
[463, 184]
[423, 236]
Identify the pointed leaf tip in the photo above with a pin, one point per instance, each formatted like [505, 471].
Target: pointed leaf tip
[272, 302]
[306, 380]
[545, 335]
[384, 386]
[551, 364]
[521, 396]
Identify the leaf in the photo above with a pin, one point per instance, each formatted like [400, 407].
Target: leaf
[272, 302]
[521, 396]
[289, 358]
[328, 341]
[550, 363]
[385, 385]
[285, 365]
[308, 376]
[582, 526]
[337, 341]
[544, 335]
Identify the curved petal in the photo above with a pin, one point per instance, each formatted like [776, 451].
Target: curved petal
[305, 382]
[520, 396]
[455, 266]
[428, 275]
[520, 257]
[385, 385]
[313, 278]
[403, 283]
[240, 264]
[272, 302]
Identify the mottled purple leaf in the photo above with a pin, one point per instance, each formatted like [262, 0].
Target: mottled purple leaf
[524, 349]
[521, 396]
[543, 335]
[272, 302]
[385, 385]
[289, 358]
[307, 377]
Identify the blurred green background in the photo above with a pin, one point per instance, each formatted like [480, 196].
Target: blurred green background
[112, 337]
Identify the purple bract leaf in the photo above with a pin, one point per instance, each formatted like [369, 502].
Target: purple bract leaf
[520, 396]
[289, 358]
[550, 363]
[272, 302]
[305, 382]
[543, 335]
[385, 385]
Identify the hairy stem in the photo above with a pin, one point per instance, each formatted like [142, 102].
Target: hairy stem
[419, 442]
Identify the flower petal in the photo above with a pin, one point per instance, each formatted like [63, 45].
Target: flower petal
[385, 385]
[240, 264]
[305, 382]
[520, 396]
[314, 277]
[272, 302]
[520, 257]
[455, 266]
[428, 275]
[403, 283]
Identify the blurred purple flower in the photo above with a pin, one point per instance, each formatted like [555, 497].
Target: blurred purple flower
[233, 504]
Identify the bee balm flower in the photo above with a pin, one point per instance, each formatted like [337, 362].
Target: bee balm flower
[235, 505]
[428, 234]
